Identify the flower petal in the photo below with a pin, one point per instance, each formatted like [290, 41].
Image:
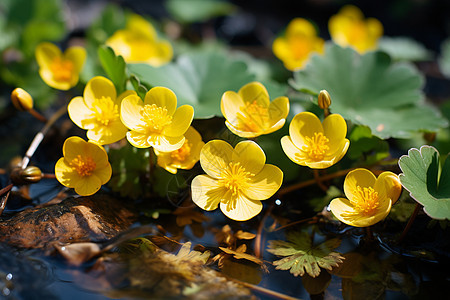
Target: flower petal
[65, 174]
[80, 114]
[250, 156]
[115, 131]
[336, 156]
[341, 207]
[137, 139]
[206, 192]
[265, 184]
[238, 132]
[77, 55]
[243, 210]
[166, 143]
[88, 185]
[215, 157]
[99, 87]
[181, 120]
[388, 186]
[46, 53]
[291, 150]
[358, 177]
[104, 174]
[278, 110]
[335, 129]
[255, 92]
[303, 125]
[130, 112]
[97, 153]
[73, 146]
[230, 105]
[162, 97]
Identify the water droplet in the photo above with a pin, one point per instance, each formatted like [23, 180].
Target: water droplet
[278, 202]
[6, 291]
[9, 276]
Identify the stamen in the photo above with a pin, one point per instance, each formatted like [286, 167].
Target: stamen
[83, 165]
[155, 117]
[182, 153]
[316, 147]
[62, 69]
[365, 200]
[105, 110]
[235, 178]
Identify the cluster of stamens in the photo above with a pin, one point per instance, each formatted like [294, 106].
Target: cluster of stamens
[316, 146]
[365, 200]
[83, 165]
[155, 117]
[105, 110]
[62, 69]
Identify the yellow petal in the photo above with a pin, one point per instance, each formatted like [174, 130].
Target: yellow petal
[323, 164]
[388, 186]
[80, 114]
[244, 209]
[250, 156]
[74, 146]
[304, 124]
[97, 153]
[300, 26]
[291, 150]
[137, 139]
[336, 156]
[48, 78]
[140, 25]
[65, 174]
[166, 143]
[181, 120]
[265, 184]
[341, 207]
[358, 177]
[206, 192]
[99, 87]
[359, 220]
[255, 92]
[87, 186]
[46, 53]
[115, 131]
[123, 95]
[241, 133]
[278, 110]
[130, 113]
[164, 160]
[375, 28]
[162, 97]
[231, 105]
[77, 55]
[215, 157]
[335, 129]
[104, 174]
[164, 54]
[280, 48]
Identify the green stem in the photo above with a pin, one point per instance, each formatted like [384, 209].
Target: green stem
[410, 222]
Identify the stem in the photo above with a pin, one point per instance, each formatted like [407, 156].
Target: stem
[296, 222]
[410, 222]
[40, 136]
[263, 290]
[369, 233]
[319, 180]
[49, 176]
[37, 115]
[326, 112]
[312, 181]
[258, 252]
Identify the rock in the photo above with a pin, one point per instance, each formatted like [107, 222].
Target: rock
[95, 218]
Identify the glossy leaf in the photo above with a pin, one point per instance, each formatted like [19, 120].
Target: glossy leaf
[426, 181]
[114, 67]
[371, 90]
[301, 256]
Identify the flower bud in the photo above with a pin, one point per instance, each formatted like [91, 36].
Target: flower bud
[31, 174]
[21, 99]
[324, 99]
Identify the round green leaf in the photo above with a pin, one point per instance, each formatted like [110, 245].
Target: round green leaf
[426, 182]
[371, 90]
[404, 48]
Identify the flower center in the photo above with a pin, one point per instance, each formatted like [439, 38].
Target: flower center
[300, 46]
[316, 146]
[182, 153]
[235, 179]
[83, 165]
[254, 117]
[105, 110]
[365, 200]
[155, 117]
[62, 69]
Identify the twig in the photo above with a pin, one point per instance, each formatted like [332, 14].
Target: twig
[410, 222]
[319, 180]
[315, 218]
[262, 290]
[258, 252]
[4, 199]
[37, 115]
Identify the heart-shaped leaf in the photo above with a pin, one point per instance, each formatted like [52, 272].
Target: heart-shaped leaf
[371, 90]
[426, 182]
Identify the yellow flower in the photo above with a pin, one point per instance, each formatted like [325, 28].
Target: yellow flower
[60, 70]
[139, 43]
[349, 28]
[84, 166]
[298, 44]
[249, 112]
[98, 111]
[237, 179]
[21, 99]
[185, 157]
[369, 198]
[313, 144]
[156, 122]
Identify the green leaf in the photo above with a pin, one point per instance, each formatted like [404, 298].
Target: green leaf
[404, 48]
[444, 59]
[140, 89]
[189, 11]
[302, 256]
[364, 145]
[198, 79]
[114, 67]
[426, 182]
[370, 90]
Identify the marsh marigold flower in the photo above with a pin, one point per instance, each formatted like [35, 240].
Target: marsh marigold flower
[84, 167]
[313, 144]
[60, 70]
[21, 99]
[98, 111]
[139, 43]
[349, 28]
[156, 122]
[185, 157]
[369, 198]
[298, 44]
[236, 179]
[249, 112]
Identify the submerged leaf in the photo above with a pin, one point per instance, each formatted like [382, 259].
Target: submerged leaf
[371, 90]
[302, 256]
[239, 253]
[426, 182]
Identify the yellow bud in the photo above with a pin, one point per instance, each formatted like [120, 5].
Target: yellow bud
[324, 99]
[31, 174]
[21, 99]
